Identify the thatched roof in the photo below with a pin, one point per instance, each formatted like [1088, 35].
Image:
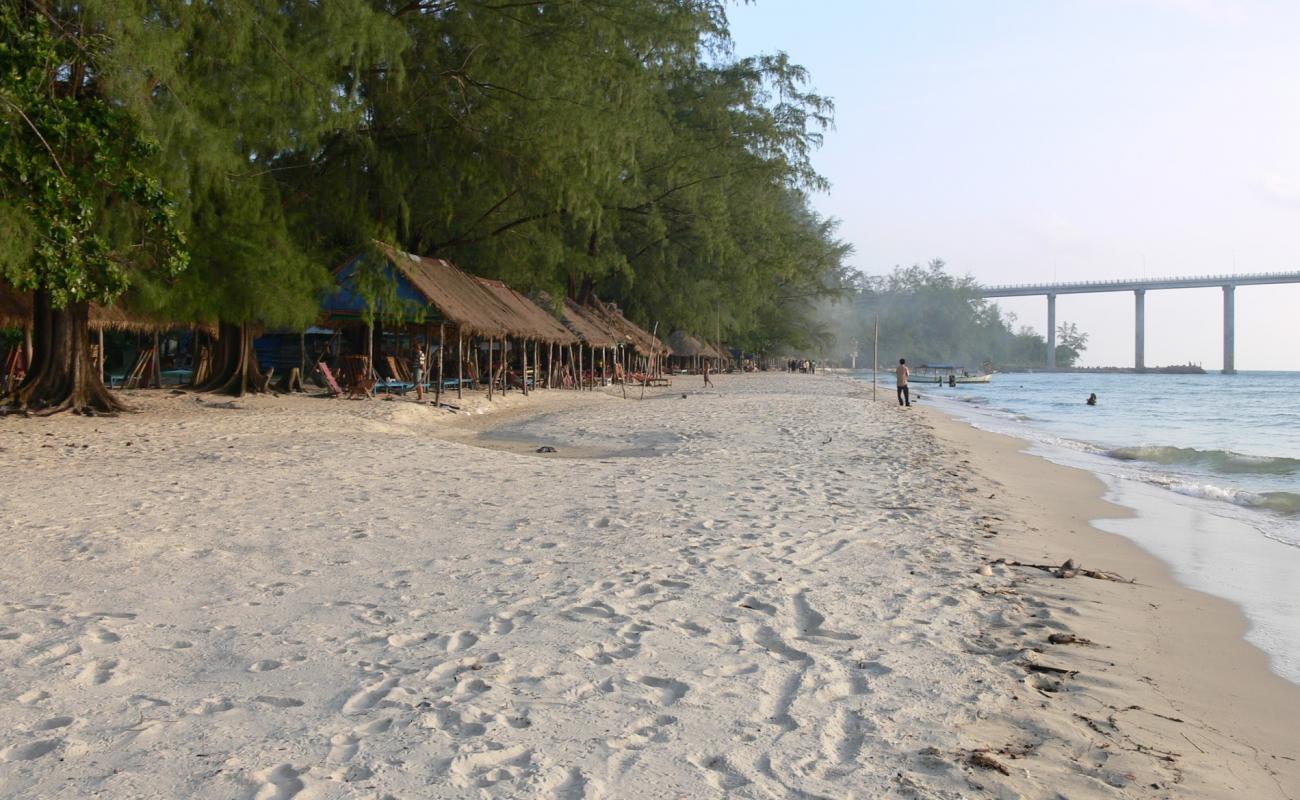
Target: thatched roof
[645, 342]
[533, 321]
[684, 344]
[16, 312]
[589, 327]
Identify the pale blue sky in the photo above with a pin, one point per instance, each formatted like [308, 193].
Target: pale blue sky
[1071, 139]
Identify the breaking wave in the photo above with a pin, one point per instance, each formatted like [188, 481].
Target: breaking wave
[1285, 503]
[1224, 462]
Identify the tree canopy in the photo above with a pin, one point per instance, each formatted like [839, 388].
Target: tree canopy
[611, 146]
[928, 314]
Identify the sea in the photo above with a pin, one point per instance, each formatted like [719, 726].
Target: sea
[1209, 463]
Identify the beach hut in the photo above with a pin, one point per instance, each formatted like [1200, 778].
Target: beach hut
[646, 353]
[690, 352]
[533, 326]
[488, 316]
[596, 335]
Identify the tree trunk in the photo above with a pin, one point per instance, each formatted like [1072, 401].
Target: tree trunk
[61, 375]
[233, 367]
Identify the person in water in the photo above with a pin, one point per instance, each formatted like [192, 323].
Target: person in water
[1092, 399]
[902, 374]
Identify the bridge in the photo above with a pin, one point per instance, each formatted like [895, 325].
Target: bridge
[1139, 288]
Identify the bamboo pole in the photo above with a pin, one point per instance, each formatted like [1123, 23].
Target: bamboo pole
[460, 361]
[491, 374]
[524, 374]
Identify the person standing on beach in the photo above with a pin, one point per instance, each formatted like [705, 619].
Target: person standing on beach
[707, 383]
[417, 364]
[902, 374]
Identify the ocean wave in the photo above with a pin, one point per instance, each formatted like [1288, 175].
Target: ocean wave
[1285, 503]
[1224, 462]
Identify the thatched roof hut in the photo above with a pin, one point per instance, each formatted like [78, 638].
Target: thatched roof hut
[530, 320]
[644, 342]
[687, 346]
[589, 327]
[457, 297]
[16, 312]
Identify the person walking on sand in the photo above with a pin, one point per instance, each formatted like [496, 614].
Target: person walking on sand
[902, 374]
[707, 383]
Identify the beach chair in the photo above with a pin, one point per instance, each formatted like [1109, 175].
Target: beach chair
[361, 378]
[330, 382]
[144, 370]
[15, 368]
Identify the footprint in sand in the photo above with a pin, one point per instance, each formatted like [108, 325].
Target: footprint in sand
[279, 783]
[719, 772]
[565, 783]
[480, 770]
[668, 690]
[367, 698]
[264, 665]
[645, 731]
[460, 640]
[29, 751]
[53, 723]
[98, 672]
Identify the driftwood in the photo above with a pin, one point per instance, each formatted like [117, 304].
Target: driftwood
[1069, 638]
[1069, 570]
[1043, 669]
[982, 758]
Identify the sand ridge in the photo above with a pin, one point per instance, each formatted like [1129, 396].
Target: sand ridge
[298, 598]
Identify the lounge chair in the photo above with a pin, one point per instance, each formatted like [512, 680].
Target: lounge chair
[330, 382]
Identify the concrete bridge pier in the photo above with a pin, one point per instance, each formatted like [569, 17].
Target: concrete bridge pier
[1139, 328]
[1051, 331]
[1229, 325]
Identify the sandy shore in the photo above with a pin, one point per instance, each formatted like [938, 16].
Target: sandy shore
[773, 589]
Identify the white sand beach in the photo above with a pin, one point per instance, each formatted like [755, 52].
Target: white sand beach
[774, 589]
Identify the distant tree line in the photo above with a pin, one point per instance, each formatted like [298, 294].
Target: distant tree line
[210, 161]
[928, 315]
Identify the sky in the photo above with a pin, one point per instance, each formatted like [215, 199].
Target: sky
[1038, 140]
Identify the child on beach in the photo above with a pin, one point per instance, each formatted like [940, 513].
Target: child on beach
[902, 374]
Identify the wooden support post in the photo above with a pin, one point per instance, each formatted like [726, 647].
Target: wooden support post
[442, 352]
[156, 375]
[102, 359]
[27, 345]
[302, 352]
[523, 374]
[460, 361]
[491, 374]
[537, 364]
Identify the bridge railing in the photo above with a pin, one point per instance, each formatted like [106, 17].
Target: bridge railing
[1227, 279]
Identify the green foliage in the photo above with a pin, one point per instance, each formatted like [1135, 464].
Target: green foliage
[80, 211]
[929, 315]
[608, 145]
[1070, 344]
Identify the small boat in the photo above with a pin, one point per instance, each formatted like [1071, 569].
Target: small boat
[949, 374]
